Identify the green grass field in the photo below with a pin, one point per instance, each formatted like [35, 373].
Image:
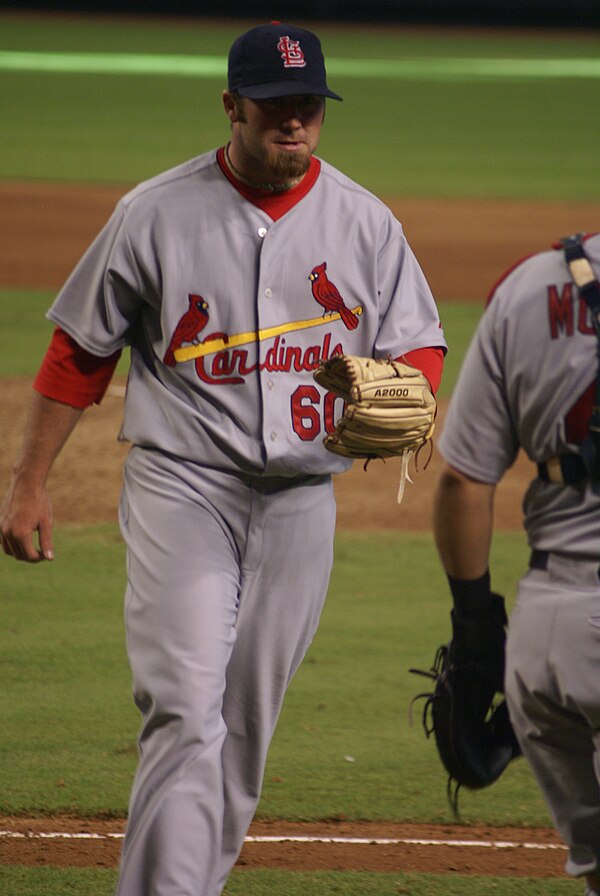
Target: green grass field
[68, 724]
[413, 132]
[79, 882]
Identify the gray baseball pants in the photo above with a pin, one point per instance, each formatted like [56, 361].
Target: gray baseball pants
[553, 694]
[227, 576]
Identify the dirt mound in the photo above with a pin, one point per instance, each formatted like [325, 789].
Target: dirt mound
[86, 479]
[464, 245]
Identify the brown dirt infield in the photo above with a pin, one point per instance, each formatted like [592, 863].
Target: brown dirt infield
[520, 852]
[464, 246]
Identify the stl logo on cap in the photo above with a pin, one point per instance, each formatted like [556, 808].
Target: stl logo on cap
[291, 53]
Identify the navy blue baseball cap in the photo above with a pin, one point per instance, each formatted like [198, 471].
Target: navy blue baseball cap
[277, 60]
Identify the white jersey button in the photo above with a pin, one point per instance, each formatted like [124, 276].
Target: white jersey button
[273, 436]
[270, 385]
[262, 232]
[268, 292]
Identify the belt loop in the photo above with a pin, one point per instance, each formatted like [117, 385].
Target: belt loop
[538, 560]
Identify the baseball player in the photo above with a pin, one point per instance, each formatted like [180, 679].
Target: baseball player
[530, 380]
[229, 277]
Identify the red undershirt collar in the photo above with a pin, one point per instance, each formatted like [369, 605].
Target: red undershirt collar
[274, 204]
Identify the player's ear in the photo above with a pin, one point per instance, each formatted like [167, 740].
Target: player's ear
[232, 104]
[229, 105]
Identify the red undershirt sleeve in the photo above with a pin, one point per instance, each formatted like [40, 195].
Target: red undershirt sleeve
[71, 374]
[429, 361]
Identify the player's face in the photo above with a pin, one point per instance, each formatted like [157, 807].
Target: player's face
[273, 140]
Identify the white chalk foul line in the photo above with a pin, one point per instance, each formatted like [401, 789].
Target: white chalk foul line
[408, 841]
[57, 835]
[291, 838]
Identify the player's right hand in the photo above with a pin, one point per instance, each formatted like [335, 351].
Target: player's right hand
[26, 523]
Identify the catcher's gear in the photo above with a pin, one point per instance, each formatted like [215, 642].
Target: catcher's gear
[390, 409]
[474, 737]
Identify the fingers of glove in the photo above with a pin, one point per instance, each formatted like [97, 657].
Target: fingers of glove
[333, 444]
[473, 735]
[472, 754]
[343, 371]
[364, 446]
[377, 445]
[365, 370]
[350, 369]
[334, 381]
[394, 440]
[383, 420]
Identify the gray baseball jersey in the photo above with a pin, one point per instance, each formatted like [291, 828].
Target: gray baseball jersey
[222, 309]
[527, 381]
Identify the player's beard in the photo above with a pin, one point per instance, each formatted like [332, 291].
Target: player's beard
[289, 165]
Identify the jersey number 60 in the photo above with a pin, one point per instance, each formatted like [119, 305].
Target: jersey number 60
[306, 412]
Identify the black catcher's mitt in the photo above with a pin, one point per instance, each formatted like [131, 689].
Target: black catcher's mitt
[473, 734]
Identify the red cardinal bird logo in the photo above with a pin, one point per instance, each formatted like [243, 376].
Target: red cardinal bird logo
[326, 294]
[189, 327]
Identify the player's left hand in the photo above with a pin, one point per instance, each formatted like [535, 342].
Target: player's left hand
[390, 409]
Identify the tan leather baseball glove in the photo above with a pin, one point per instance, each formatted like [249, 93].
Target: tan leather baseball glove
[390, 409]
